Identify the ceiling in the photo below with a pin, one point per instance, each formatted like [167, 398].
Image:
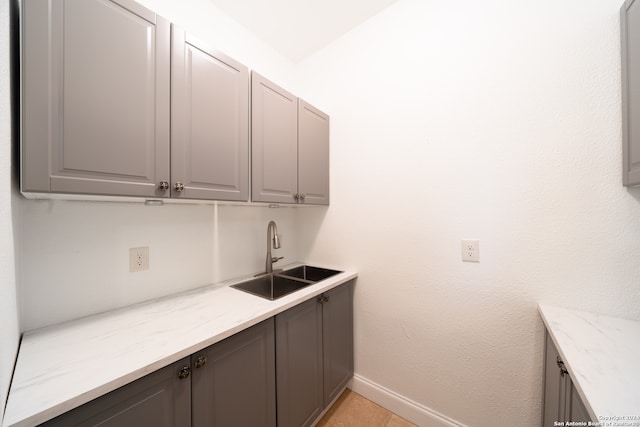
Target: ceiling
[297, 28]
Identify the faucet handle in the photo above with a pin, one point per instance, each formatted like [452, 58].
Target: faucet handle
[276, 258]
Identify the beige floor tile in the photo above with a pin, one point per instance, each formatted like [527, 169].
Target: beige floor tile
[353, 410]
[397, 421]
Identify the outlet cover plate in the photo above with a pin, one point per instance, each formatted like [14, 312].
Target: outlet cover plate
[470, 250]
[139, 259]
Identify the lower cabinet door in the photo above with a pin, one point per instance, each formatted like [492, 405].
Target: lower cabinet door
[562, 402]
[575, 407]
[299, 364]
[159, 399]
[233, 381]
[337, 332]
[554, 385]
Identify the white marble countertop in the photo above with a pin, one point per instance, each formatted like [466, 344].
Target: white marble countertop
[64, 366]
[602, 354]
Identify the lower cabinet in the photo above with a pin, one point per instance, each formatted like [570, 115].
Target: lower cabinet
[314, 355]
[562, 402]
[301, 358]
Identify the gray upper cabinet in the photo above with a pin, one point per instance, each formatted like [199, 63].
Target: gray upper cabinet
[630, 43]
[95, 98]
[209, 122]
[290, 147]
[274, 142]
[313, 155]
[117, 103]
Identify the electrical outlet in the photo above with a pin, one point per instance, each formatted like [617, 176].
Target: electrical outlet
[138, 259]
[471, 250]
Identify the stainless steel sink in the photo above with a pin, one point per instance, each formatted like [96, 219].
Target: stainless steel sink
[307, 272]
[272, 286]
[276, 285]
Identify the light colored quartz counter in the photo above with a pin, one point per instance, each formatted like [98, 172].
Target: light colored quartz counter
[64, 366]
[602, 355]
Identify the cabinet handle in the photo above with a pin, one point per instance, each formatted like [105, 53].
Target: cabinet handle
[164, 185]
[178, 186]
[302, 196]
[296, 197]
[184, 372]
[200, 362]
[322, 299]
[563, 369]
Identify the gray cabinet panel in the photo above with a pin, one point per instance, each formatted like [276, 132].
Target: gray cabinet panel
[158, 399]
[313, 154]
[236, 386]
[299, 364]
[562, 402]
[552, 386]
[577, 411]
[99, 112]
[210, 122]
[290, 147]
[630, 43]
[337, 343]
[274, 142]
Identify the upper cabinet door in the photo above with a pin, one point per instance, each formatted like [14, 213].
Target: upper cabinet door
[274, 140]
[313, 155]
[95, 98]
[630, 32]
[210, 122]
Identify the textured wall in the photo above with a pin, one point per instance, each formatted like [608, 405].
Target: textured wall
[492, 120]
[9, 329]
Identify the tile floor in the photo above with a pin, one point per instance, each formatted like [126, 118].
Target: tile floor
[353, 410]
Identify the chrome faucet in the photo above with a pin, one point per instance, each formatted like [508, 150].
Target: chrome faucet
[276, 245]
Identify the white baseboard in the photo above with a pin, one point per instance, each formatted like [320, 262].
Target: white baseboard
[400, 405]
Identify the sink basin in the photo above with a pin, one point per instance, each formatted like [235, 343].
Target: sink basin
[278, 284]
[272, 286]
[307, 272]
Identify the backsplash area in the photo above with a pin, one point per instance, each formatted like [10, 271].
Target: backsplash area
[75, 255]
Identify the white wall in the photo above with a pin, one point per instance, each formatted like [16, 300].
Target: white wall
[9, 328]
[492, 120]
[74, 255]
